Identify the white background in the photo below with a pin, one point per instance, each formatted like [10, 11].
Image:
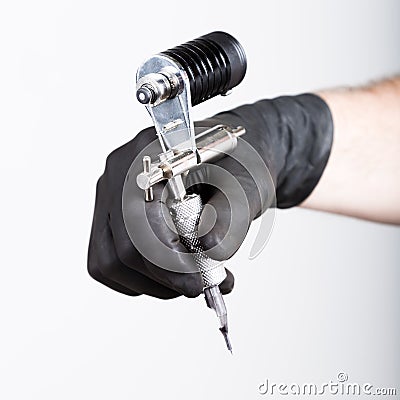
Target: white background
[322, 298]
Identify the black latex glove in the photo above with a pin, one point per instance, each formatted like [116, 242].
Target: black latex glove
[292, 135]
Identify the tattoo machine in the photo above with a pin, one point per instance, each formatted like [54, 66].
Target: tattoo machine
[169, 84]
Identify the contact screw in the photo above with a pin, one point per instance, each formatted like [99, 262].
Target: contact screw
[148, 193]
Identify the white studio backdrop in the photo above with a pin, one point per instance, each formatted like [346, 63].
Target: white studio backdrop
[327, 296]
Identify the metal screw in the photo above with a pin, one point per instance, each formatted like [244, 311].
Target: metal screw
[148, 193]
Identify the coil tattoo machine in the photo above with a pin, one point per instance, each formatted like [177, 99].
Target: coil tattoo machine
[169, 84]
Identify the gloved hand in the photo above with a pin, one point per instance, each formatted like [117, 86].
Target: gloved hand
[292, 135]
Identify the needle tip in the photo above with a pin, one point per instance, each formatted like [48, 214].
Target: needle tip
[224, 332]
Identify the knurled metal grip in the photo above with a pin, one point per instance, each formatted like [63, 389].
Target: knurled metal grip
[186, 216]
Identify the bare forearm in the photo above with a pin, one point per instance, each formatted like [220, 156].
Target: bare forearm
[362, 177]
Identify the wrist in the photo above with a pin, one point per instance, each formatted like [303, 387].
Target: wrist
[293, 135]
[306, 138]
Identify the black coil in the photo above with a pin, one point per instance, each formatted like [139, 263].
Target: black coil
[214, 63]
